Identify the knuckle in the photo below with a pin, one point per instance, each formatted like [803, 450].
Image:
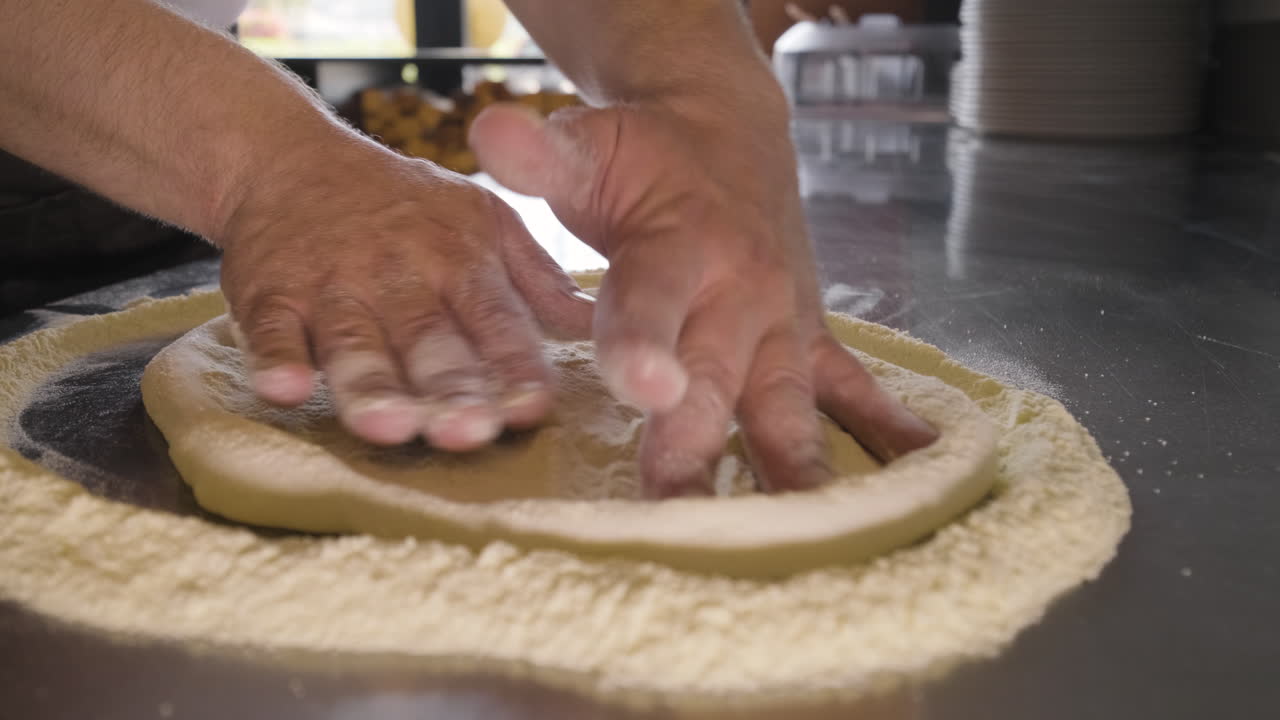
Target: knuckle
[710, 397]
[468, 203]
[273, 328]
[343, 316]
[415, 325]
[270, 327]
[349, 334]
[517, 362]
[437, 352]
[674, 470]
[446, 384]
[265, 306]
[491, 311]
[777, 287]
[697, 429]
[823, 348]
[784, 383]
[840, 372]
[344, 334]
[504, 212]
[708, 364]
[372, 381]
[273, 348]
[481, 199]
[360, 371]
[793, 439]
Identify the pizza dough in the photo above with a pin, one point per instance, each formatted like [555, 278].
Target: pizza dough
[622, 626]
[573, 484]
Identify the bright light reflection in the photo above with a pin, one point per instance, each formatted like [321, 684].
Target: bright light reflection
[572, 254]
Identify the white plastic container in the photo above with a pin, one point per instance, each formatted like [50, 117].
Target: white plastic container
[878, 61]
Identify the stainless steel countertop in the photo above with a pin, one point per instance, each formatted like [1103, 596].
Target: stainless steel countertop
[1140, 285]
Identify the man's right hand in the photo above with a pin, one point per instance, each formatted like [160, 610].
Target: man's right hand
[417, 293]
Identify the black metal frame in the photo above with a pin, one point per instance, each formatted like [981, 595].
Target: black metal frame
[440, 29]
[440, 23]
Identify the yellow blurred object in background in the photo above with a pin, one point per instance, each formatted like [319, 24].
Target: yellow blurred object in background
[485, 22]
[405, 20]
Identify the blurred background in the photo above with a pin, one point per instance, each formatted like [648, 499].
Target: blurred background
[871, 82]
[1226, 44]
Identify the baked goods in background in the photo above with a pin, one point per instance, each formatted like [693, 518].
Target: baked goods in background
[422, 124]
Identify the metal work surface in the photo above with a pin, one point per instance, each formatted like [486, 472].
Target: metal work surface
[1138, 285]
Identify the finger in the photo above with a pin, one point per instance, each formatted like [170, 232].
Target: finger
[681, 447]
[780, 424]
[271, 331]
[370, 396]
[646, 293]
[839, 15]
[506, 339]
[562, 309]
[798, 14]
[558, 159]
[850, 395]
[644, 300]
[456, 407]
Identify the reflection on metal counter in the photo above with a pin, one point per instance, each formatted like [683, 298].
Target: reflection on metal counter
[1004, 190]
[868, 159]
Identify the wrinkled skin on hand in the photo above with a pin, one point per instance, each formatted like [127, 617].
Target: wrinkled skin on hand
[710, 307]
[417, 293]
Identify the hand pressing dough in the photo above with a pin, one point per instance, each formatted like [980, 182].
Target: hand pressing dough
[618, 627]
[572, 485]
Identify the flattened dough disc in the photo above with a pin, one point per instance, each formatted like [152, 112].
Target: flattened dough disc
[571, 485]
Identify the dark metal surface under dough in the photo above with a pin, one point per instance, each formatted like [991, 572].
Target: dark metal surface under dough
[1139, 285]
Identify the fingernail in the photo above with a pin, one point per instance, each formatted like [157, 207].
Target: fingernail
[382, 419]
[476, 431]
[583, 296]
[460, 403]
[375, 403]
[464, 423]
[283, 383]
[471, 430]
[523, 395]
[649, 379]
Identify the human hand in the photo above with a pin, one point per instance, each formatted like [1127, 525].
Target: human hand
[417, 293]
[710, 306]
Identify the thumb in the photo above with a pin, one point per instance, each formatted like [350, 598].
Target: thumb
[559, 158]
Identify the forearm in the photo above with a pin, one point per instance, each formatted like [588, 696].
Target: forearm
[632, 50]
[154, 112]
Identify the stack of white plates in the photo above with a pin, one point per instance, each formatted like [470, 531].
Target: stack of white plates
[1079, 68]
